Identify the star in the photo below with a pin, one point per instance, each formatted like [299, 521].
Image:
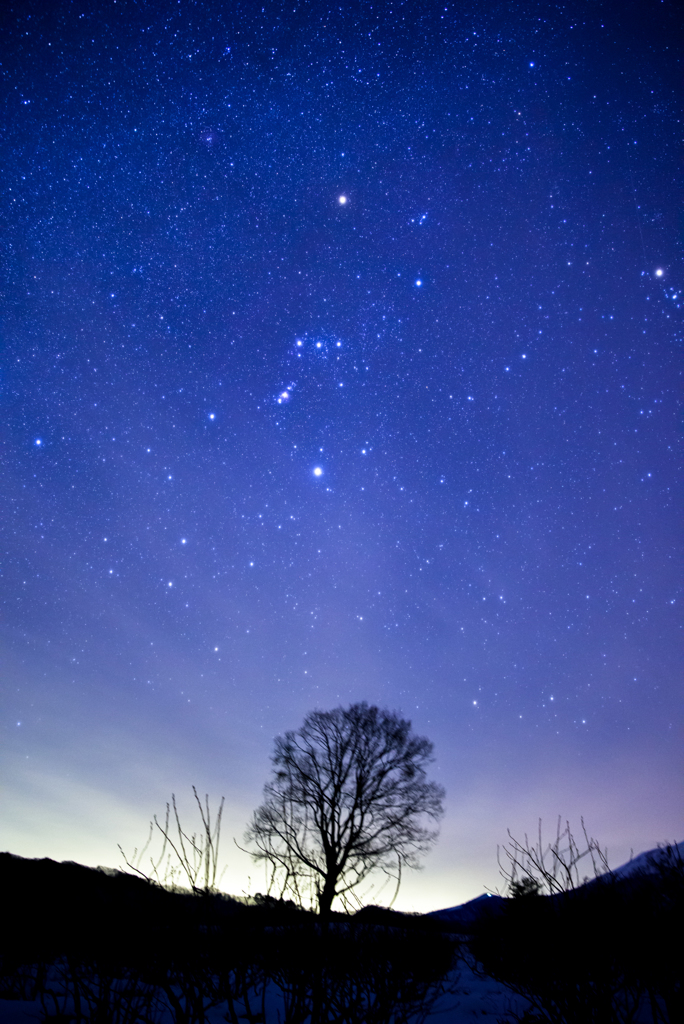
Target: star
[342, 200]
[317, 471]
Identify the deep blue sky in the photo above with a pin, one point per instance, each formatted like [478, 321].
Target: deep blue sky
[479, 350]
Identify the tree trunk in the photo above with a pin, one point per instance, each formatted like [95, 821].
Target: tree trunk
[326, 896]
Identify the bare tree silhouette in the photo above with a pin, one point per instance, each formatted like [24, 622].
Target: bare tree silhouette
[349, 795]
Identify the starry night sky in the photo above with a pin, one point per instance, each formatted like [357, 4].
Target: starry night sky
[341, 361]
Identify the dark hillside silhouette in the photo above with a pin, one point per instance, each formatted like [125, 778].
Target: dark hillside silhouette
[95, 945]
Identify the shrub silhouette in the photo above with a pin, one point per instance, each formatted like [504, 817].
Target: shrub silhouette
[192, 857]
[606, 951]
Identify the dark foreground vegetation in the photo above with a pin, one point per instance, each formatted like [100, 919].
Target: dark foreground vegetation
[609, 951]
[110, 948]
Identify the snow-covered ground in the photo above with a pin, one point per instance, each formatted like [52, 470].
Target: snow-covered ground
[471, 998]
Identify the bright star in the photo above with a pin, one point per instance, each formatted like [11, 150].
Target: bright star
[418, 283]
[212, 415]
[342, 200]
[317, 471]
[38, 441]
[659, 272]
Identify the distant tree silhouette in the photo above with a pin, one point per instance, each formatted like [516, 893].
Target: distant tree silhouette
[349, 795]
